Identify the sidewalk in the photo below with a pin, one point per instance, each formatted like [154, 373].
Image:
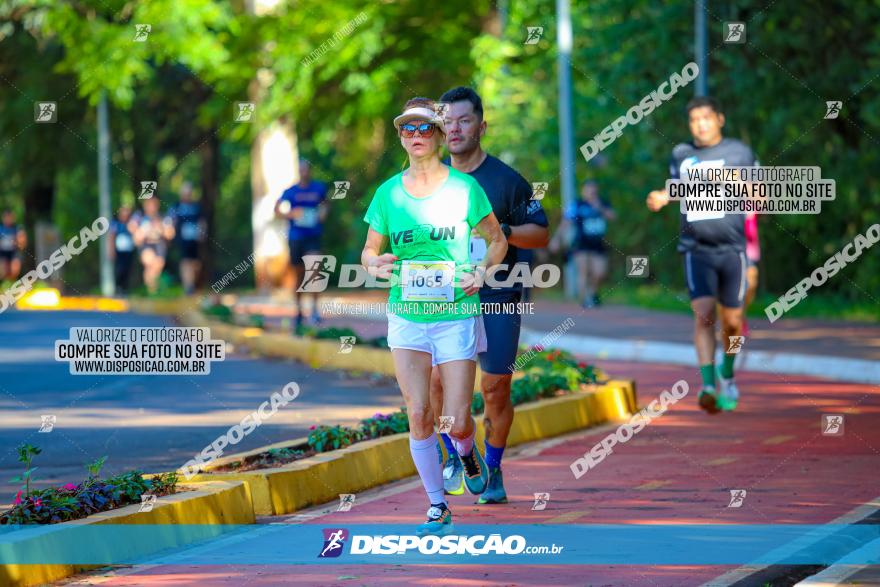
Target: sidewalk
[679, 469]
[845, 351]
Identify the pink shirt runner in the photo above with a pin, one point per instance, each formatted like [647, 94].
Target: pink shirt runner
[753, 245]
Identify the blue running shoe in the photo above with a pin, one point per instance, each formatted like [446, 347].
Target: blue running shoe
[453, 475]
[495, 489]
[439, 522]
[476, 475]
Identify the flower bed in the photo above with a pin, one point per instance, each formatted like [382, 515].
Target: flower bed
[547, 374]
[74, 501]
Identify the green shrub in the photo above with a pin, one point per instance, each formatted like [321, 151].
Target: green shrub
[384, 424]
[325, 438]
[72, 502]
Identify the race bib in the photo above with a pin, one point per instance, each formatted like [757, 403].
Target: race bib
[594, 226]
[309, 219]
[427, 281]
[478, 249]
[698, 216]
[124, 243]
[189, 231]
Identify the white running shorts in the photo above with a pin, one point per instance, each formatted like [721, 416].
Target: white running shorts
[447, 340]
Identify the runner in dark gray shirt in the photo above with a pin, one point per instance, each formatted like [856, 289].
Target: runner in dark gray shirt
[525, 225]
[713, 245]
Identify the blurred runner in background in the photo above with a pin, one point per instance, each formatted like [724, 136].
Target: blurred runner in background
[121, 248]
[190, 228]
[152, 232]
[13, 240]
[586, 221]
[753, 255]
[304, 205]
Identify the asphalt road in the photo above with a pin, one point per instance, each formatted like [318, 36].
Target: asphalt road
[150, 422]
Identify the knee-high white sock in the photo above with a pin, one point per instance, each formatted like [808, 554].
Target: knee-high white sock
[426, 455]
[463, 446]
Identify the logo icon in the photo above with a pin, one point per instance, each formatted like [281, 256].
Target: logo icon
[735, 32]
[334, 540]
[441, 109]
[340, 189]
[317, 275]
[737, 497]
[446, 423]
[533, 207]
[832, 424]
[141, 32]
[45, 112]
[636, 266]
[346, 500]
[533, 35]
[539, 190]
[541, 500]
[832, 109]
[48, 423]
[244, 112]
[147, 503]
[736, 344]
[346, 344]
[148, 189]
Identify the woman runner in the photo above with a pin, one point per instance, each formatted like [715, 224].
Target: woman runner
[426, 214]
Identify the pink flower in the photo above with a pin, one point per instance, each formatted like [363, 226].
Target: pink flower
[17, 497]
[68, 487]
[312, 427]
[38, 502]
[582, 365]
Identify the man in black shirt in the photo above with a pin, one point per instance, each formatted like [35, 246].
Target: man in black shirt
[525, 225]
[714, 245]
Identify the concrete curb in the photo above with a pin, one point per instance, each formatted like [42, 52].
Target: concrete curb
[837, 368]
[316, 353]
[220, 503]
[322, 478]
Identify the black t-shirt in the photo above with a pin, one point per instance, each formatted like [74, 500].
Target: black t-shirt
[187, 216]
[589, 225]
[511, 198]
[711, 231]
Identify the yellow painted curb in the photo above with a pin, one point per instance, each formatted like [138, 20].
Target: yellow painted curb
[173, 307]
[218, 502]
[316, 353]
[322, 478]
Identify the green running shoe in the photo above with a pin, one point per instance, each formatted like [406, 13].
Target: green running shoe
[708, 399]
[439, 522]
[476, 475]
[453, 475]
[729, 396]
[495, 489]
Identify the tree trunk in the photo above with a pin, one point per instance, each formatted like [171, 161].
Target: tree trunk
[209, 153]
[38, 200]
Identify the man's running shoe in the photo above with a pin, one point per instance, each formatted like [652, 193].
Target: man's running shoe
[495, 489]
[439, 522]
[729, 396]
[476, 475]
[453, 475]
[708, 399]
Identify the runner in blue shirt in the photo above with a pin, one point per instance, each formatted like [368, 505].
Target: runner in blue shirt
[304, 205]
[189, 225]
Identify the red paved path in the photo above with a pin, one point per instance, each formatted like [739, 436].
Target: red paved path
[677, 470]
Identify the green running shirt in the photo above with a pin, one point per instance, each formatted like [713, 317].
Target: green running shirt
[431, 238]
